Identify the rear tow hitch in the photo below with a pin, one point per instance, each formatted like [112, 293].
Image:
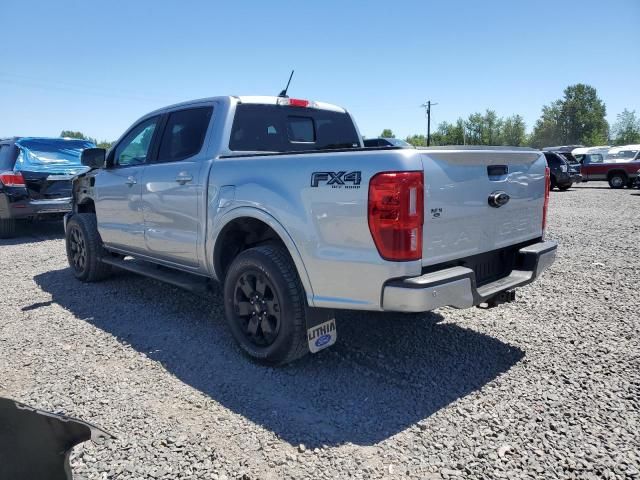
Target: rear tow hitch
[507, 296]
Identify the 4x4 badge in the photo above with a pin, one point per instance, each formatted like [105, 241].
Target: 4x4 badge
[337, 179]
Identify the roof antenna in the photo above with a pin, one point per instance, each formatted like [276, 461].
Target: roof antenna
[283, 93]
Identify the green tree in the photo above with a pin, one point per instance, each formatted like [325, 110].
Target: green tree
[81, 136]
[577, 118]
[72, 134]
[473, 128]
[104, 144]
[513, 131]
[547, 131]
[387, 133]
[417, 140]
[491, 126]
[626, 130]
[449, 133]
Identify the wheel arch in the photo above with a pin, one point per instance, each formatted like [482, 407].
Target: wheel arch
[620, 171]
[254, 227]
[86, 205]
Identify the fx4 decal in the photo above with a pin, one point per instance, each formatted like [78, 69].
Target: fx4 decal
[337, 179]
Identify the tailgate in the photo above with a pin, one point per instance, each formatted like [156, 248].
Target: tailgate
[459, 220]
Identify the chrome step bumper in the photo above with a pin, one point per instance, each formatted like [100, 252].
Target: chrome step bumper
[456, 286]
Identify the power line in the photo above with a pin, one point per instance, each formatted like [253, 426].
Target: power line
[427, 111]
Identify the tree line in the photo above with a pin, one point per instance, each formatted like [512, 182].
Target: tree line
[576, 118]
[82, 136]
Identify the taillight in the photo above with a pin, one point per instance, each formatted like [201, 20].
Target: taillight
[396, 214]
[547, 183]
[12, 179]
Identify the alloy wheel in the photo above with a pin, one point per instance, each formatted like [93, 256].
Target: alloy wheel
[257, 308]
[78, 249]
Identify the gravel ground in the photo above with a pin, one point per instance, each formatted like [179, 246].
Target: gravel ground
[547, 387]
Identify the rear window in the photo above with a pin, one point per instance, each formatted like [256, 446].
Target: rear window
[275, 128]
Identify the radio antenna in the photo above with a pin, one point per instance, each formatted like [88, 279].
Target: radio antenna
[283, 93]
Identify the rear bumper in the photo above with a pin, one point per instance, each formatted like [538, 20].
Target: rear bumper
[456, 286]
[19, 207]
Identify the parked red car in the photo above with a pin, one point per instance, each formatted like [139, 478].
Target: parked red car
[618, 175]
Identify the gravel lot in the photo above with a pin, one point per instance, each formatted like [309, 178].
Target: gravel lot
[547, 387]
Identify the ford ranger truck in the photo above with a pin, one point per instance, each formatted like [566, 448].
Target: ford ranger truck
[277, 199]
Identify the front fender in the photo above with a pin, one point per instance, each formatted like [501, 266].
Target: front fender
[258, 214]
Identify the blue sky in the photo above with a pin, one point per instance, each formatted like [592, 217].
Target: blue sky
[97, 66]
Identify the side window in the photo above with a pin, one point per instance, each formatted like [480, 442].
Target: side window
[595, 158]
[4, 157]
[8, 155]
[134, 148]
[184, 134]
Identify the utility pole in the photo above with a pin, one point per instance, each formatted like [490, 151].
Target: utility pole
[427, 111]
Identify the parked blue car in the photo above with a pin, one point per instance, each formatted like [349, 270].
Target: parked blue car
[35, 178]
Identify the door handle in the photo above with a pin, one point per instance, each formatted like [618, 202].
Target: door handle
[183, 178]
[130, 181]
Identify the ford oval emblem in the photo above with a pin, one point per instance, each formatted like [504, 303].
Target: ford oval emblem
[323, 340]
[498, 199]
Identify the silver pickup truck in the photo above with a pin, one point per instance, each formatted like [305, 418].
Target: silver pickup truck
[277, 198]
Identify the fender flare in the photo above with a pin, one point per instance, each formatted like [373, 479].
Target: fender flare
[258, 214]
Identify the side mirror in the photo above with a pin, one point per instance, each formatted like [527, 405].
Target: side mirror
[93, 157]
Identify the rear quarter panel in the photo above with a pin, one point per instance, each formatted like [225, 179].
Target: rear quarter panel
[327, 223]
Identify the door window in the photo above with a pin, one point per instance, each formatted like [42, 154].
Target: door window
[134, 148]
[184, 134]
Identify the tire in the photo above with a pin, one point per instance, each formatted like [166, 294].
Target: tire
[272, 330]
[552, 183]
[617, 180]
[84, 248]
[564, 188]
[7, 227]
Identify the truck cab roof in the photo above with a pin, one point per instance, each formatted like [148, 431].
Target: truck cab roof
[253, 99]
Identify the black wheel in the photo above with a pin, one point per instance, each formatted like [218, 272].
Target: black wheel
[617, 180]
[564, 188]
[552, 183]
[265, 305]
[84, 248]
[7, 227]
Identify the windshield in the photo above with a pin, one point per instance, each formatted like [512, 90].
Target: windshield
[622, 156]
[50, 154]
[277, 128]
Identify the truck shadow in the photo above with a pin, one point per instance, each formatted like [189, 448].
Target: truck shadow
[385, 374]
[33, 232]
